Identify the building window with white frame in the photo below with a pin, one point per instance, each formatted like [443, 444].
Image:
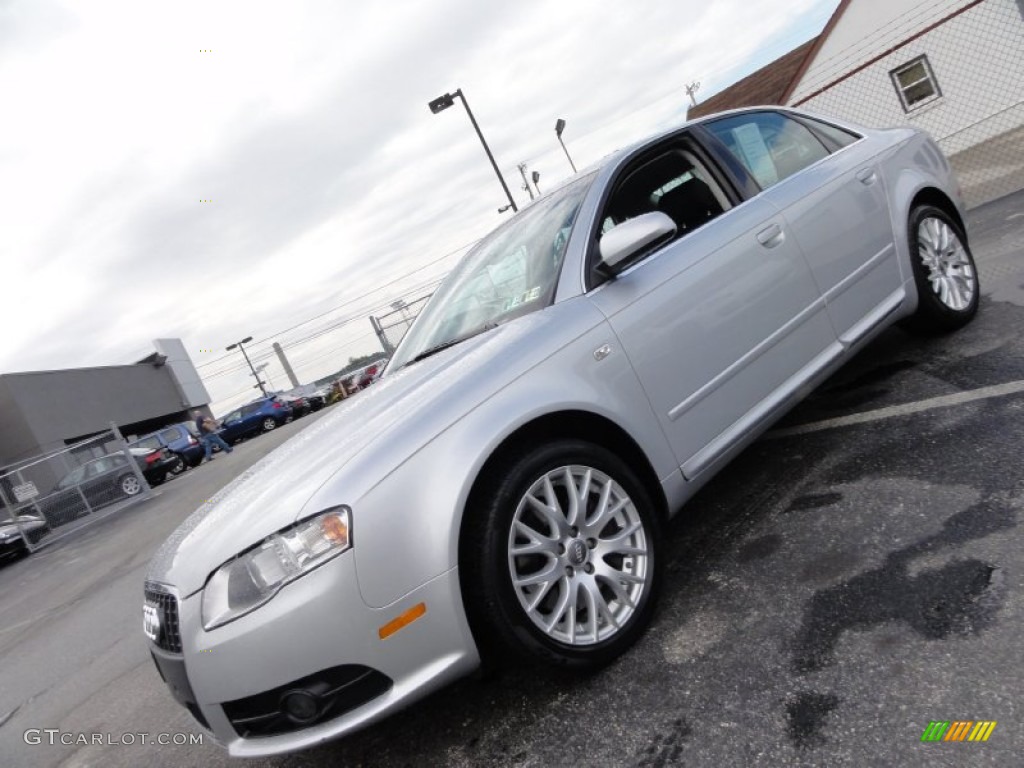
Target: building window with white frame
[915, 83]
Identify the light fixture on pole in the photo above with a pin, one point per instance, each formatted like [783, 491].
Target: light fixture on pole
[691, 91]
[559, 127]
[526, 184]
[246, 340]
[442, 103]
[262, 368]
[536, 180]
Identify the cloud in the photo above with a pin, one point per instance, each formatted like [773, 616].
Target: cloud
[307, 128]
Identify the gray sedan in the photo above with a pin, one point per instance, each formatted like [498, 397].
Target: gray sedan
[501, 492]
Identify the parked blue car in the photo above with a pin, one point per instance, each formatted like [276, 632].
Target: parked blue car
[261, 415]
[180, 439]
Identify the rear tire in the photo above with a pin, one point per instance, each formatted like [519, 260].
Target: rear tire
[567, 584]
[944, 273]
[269, 424]
[129, 485]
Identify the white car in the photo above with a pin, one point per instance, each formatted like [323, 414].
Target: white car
[501, 492]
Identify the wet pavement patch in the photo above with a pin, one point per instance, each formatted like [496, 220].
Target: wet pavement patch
[829, 565]
[667, 748]
[759, 548]
[935, 603]
[814, 501]
[807, 714]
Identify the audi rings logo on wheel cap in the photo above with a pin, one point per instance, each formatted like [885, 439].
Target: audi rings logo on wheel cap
[577, 552]
[151, 622]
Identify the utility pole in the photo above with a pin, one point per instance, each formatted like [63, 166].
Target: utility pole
[526, 184]
[691, 89]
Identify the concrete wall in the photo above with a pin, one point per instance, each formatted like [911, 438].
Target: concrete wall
[55, 406]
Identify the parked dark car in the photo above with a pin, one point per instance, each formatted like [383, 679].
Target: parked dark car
[316, 401]
[12, 543]
[261, 415]
[156, 463]
[299, 404]
[177, 438]
[101, 482]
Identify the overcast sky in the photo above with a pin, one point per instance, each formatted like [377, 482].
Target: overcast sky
[332, 189]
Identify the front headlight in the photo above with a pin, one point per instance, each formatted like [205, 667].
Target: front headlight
[255, 576]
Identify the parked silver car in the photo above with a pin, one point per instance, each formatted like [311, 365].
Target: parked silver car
[586, 368]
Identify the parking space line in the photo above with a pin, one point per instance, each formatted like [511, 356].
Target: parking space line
[906, 409]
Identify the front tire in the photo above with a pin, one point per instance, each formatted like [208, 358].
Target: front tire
[562, 559]
[944, 272]
[269, 424]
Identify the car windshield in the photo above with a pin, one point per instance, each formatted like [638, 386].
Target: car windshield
[511, 272]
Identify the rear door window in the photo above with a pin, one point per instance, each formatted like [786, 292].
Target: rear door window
[771, 146]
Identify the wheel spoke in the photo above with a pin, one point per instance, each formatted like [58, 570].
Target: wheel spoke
[590, 600]
[552, 514]
[614, 543]
[541, 593]
[616, 586]
[574, 500]
[539, 543]
[539, 577]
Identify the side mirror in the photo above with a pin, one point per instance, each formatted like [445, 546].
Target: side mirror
[623, 243]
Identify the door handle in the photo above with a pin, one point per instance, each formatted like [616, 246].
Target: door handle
[866, 176]
[771, 236]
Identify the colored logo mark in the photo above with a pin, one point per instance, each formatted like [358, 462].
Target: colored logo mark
[206, 201]
[958, 730]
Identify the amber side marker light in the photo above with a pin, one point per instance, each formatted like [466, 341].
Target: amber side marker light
[402, 621]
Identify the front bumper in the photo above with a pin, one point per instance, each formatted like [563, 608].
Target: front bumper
[315, 626]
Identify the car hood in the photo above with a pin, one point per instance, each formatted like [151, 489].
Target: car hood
[398, 414]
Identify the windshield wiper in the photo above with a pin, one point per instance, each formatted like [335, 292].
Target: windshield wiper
[451, 343]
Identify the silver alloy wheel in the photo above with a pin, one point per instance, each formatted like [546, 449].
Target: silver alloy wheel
[578, 555]
[130, 485]
[269, 424]
[950, 271]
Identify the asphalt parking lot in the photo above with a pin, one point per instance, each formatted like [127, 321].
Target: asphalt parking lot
[854, 575]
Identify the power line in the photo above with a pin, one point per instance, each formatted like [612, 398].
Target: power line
[350, 301]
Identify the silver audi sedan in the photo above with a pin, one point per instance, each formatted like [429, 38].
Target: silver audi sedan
[502, 491]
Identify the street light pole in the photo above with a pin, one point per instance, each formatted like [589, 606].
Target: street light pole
[559, 127]
[246, 340]
[442, 103]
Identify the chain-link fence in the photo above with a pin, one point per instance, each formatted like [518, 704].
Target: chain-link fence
[62, 491]
[952, 67]
[392, 326]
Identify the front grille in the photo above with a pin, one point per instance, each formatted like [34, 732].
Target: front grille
[167, 608]
[336, 690]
